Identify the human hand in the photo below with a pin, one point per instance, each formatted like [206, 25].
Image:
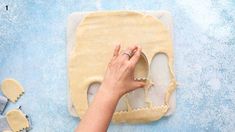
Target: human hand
[118, 80]
[119, 76]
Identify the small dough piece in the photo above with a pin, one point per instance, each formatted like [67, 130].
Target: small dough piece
[17, 120]
[12, 89]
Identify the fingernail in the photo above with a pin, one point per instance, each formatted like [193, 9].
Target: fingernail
[117, 45]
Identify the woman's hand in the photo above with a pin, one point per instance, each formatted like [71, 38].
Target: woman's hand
[119, 77]
[118, 80]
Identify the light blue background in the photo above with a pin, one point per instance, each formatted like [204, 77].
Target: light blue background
[33, 51]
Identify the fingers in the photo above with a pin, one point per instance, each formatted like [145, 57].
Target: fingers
[132, 48]
[129, 52]
[134, 59]
[139, 84]
[116, 50]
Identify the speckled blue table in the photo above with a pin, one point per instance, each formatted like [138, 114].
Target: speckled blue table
[33, 51]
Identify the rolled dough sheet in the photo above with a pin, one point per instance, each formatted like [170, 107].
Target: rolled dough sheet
[73, 21]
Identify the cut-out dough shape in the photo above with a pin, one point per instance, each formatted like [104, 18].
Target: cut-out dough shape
[96, 37]
[17, 120]
[12, 89]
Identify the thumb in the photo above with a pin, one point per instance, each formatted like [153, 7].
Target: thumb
[139, 84]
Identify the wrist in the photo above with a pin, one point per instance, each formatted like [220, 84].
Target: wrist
[108, 93]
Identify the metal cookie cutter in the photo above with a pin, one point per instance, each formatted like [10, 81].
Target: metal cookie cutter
[3, 103]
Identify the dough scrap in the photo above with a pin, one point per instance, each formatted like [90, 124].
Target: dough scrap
[12, 89]
[96, 36]
[17, 120]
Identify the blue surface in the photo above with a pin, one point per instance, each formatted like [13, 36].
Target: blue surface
[33, 51]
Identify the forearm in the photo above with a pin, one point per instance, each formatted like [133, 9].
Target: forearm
[99, 113]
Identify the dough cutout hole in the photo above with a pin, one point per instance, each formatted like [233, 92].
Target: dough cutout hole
[122, 105]
[92, 90]
[160, 74]
[142, 68]
[136, 98]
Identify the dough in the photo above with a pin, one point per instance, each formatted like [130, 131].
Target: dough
[17, 120]
[12, 89]
[96, 36]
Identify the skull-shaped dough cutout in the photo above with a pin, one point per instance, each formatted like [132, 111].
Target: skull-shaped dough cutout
[12, 89]
[17, 120]
[96, 37]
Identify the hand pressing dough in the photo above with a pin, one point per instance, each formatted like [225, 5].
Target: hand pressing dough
[12, 89]
[96, 37]
[17, 120]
